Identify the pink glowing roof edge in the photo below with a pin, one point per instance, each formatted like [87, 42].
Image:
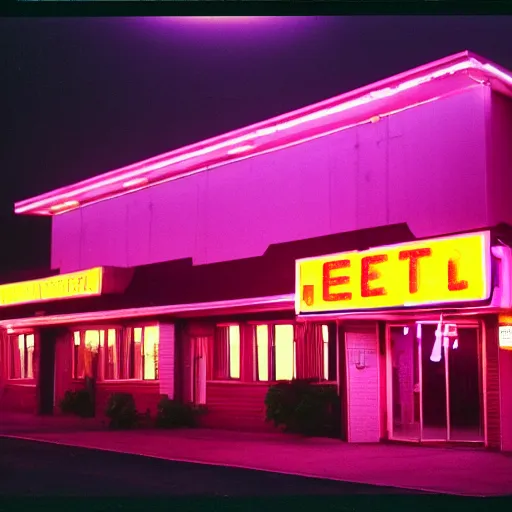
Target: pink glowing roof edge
[264, 136]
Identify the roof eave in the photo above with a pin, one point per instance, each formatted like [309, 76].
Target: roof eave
[214, 151]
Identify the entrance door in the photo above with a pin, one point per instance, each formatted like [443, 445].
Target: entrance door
[435, 388]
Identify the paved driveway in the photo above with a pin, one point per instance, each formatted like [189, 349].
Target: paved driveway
[31, 468]
[460, 471]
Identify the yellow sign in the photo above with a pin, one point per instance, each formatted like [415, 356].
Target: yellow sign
[65, 286]
[435, 271]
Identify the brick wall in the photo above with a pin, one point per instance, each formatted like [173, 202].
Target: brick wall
[362, 384]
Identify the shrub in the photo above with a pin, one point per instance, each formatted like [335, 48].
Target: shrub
[303, 408]
[175, 414]
[78, 402]
[121, 411]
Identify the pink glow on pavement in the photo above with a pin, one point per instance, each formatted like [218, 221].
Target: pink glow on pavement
[221, 147]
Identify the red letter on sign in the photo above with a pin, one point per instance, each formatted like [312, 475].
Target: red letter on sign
[329, 281]
[454, 284]
[413, 257]
[368, 275]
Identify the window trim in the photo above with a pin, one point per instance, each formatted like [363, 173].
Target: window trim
[228, 325]
[20, 380]
[121, 331]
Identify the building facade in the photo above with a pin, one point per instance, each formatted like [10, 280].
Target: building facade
[208, 273]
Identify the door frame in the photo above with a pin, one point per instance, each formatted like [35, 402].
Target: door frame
[468, 323]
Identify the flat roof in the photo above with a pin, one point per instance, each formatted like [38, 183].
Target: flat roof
[364, 105]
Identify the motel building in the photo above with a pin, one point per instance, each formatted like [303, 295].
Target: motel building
[364, 241]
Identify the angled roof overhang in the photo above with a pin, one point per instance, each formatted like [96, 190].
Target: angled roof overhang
[364, 105]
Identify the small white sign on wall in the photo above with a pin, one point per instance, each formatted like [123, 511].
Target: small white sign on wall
[505, 336]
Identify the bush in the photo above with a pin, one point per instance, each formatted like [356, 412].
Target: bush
[303, 408]
[174, 414]
[121, 411]
[78, 402]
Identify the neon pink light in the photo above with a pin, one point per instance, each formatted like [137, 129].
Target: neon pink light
[64, 206]
[275, 302]
[224, 144]
[271, 150]
[493, 70]
[135, 182]
[240, 149]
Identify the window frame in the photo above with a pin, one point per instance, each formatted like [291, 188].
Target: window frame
[228, 379]
[271, 357]
[121, 332]
[16, 335]
[271, 353]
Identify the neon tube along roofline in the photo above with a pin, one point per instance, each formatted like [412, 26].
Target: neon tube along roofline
[273, 302]
[242, 143]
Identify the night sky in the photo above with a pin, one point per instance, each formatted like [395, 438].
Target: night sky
[84, 96]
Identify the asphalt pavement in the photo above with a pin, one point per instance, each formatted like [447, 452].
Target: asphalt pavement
[30, 468]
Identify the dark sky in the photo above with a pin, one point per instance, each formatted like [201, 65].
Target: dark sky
[84, 96]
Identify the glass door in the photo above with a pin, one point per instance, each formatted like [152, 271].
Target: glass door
[465, 387]
[435, 390]
[433, 385]
[404, 374]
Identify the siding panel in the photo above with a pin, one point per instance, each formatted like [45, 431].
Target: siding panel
[166, 360]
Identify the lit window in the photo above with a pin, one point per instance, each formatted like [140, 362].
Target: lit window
[262, 352]
[234, 351]
[325, 344]
[150, 341]
[21, 356]
[118, 356]
[282, 363]
[285, 366]
[78, 356]
[112, 356]
[226, 352]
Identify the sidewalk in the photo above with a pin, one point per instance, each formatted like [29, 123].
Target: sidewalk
[461, 471]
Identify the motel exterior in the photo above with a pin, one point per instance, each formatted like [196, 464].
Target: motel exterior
[363, 241]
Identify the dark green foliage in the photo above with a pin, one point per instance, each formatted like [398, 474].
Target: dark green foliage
[301, 407]
[78, 402]
[121, 411]
[174, 414]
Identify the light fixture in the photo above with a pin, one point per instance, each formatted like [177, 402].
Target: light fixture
[64, 206]
[406, 331]
[135, 182]
[240, 149]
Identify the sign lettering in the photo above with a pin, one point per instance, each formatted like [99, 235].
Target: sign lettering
[65, 286]
[436, 271]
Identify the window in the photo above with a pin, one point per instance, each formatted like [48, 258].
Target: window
[86, 348]
[226, 352]
[78, 356]
[139, 353]
[111, 353]
[22, 356]
[325, 346]
[276, 352]
[150, 347]
[116, 354]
